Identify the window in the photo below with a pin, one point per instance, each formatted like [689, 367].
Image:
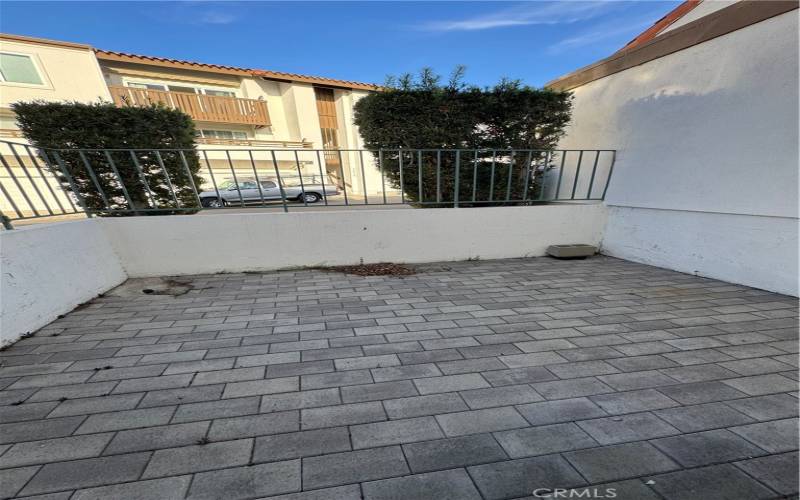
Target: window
[222, 134]
[149, 86]
[186, 89]
[181, 88]
[225, 93]
[19, 68]
[268, 184]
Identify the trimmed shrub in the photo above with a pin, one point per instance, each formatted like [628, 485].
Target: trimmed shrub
[414, 113]
[145, 179]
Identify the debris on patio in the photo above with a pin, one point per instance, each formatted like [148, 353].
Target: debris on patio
[379, 269]
[151, 286]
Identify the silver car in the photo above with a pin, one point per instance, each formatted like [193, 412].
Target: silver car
[231, 193]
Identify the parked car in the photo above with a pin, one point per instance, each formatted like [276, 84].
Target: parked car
[231, 193]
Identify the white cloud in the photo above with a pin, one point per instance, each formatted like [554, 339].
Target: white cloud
[216, 17]
[524, 14]
[607, 31]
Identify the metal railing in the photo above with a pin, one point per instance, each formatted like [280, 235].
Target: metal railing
[38, 182]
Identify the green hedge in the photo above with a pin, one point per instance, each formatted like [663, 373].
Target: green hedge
[420, 112]
[70, 126]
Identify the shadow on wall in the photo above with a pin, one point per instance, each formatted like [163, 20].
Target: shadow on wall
[714, 151]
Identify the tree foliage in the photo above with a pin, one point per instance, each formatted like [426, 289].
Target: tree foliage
[504, 133]
[152, 179]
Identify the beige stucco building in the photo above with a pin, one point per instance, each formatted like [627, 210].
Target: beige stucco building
[242, 110]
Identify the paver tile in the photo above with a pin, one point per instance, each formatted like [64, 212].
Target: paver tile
[85, 473]
[706, 448]
[517, 478]
[424, 405]
[53, 450]
[153, 438]
[254, 425]
[353, 466]
[453, 452]
[198, 458]
[544, 440]
[394, 432]
[247, 482]
[563, 410]
[347, 414]
[769, 407]
[170, 488]
[702, 417]
[301, 444]
[500, 396]
[445, 485]
[717, 482]
[622, 461]
[775, 436]
[630, 427]
[779, 472]
[477, 421]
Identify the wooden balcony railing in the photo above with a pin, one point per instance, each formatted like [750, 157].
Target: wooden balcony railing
[254, 143]
[11, 132]
[201, 107]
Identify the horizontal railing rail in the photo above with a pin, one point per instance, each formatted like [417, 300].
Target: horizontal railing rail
[258, 143]
[44, 183]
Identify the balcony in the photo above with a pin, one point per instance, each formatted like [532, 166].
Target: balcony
[200, 107]
[254, 143]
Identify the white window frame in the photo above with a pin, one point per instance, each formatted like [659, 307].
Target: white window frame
[197, 87]
[37, 65]
[201, 133]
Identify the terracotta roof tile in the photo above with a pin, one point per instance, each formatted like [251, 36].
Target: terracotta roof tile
[217, 68]
[662, 24]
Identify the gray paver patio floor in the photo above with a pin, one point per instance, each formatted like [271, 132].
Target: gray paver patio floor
[487, 379]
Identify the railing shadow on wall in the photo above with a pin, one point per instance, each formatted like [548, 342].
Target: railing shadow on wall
[45, 183]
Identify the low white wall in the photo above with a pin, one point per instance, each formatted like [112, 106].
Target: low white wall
[755, 251]
[49, 269]
[157, 246]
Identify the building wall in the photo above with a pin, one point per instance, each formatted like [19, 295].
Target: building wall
[706, 174]
[69, 74]
[72, 74]
[705, 8]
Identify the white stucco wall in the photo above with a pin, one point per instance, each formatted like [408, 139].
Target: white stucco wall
[707, 142]
[49, 269]
[705, 8]
[157, 246]
[71, 74]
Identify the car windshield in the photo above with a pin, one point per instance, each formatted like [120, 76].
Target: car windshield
[245, 184]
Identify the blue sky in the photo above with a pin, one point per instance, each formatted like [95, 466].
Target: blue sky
[364, 41]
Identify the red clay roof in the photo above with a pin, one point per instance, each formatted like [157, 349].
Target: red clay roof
[232, 70]
[662, 24]
[109, 55]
